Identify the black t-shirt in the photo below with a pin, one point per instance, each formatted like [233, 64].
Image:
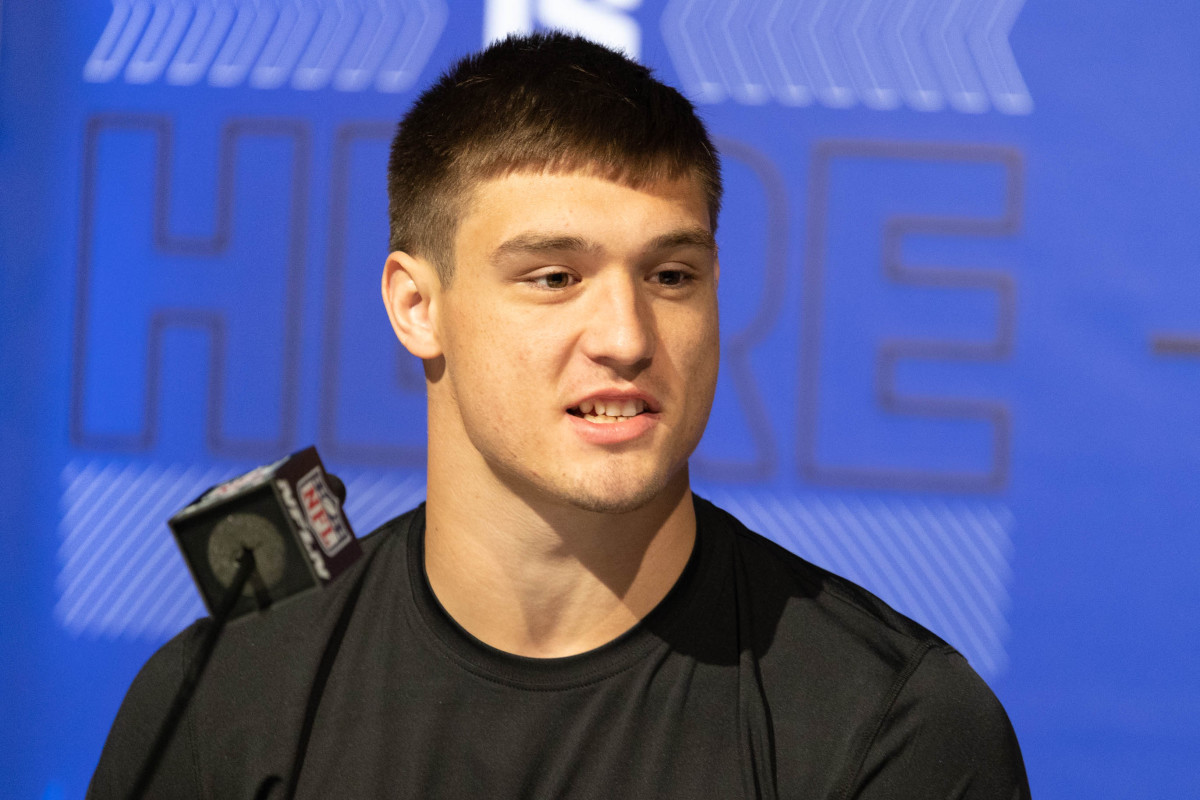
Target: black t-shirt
[758, 676]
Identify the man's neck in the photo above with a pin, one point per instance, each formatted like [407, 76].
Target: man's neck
[540, 579]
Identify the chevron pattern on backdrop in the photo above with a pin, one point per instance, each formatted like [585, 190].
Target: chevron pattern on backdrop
[883, 54]
[348, 45]
[945, 563]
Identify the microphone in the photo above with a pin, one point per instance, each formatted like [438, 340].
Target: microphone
[250, 542]
[287, 515]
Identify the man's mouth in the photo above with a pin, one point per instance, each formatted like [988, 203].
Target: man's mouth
[608, 411]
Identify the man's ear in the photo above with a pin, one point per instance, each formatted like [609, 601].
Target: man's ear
[410, 293]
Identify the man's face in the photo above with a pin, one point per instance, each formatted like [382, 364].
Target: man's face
[580, 337]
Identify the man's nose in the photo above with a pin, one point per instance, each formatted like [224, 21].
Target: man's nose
[619, 330]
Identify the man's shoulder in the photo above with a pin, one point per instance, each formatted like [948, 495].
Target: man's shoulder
[829, 653]
[811, 596]
[852, 681]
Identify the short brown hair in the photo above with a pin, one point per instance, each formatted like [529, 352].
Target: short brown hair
[544, 102]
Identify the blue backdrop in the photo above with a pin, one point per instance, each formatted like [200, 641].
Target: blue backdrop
[959, 305]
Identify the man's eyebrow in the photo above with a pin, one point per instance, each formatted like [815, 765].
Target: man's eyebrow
[539, 243]
[533, 243]
[686, 237]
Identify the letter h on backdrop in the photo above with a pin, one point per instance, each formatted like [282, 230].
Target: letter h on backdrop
[140, 285]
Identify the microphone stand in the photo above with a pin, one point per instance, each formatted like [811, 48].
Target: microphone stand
[220, 616]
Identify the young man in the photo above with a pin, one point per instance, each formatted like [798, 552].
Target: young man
[563, 618]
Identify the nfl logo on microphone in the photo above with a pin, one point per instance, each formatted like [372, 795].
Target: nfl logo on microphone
[323, 512]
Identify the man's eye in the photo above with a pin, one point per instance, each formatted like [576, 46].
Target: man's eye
[554, 280]
[671, 277]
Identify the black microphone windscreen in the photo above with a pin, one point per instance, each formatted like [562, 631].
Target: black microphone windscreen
[339, 488]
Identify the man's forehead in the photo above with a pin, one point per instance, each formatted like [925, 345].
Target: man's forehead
[651, 184]
[529, 212]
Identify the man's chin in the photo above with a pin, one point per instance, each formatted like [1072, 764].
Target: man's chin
[613, 504]
[625, 495]
[608, 490]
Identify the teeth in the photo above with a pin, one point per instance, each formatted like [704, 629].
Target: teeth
[612, 410]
